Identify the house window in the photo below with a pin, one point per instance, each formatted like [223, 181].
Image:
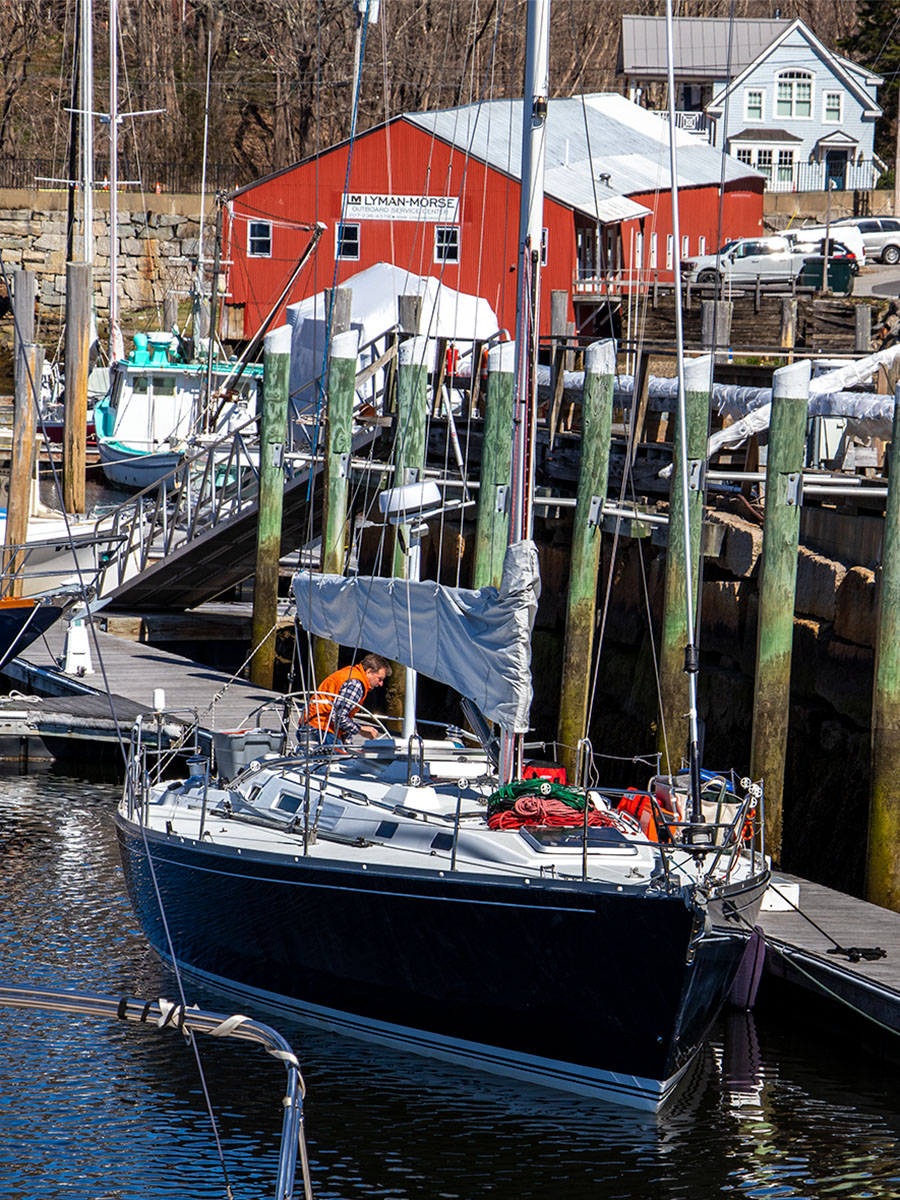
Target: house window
[753, 105]
[785, 166]
[834, 107]
[346, 241]
[745, 156]
[446, 243]
[652, 263]
[685, 246]
[701, 245]
[764, 163]
[544, 246]
[670, 251]
[794, 94]
[259, 239]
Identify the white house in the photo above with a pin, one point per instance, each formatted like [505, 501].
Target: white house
[802, 115]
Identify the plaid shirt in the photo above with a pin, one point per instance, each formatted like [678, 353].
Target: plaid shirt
[349, 697]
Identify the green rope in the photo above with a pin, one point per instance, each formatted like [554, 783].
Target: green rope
[506, 796]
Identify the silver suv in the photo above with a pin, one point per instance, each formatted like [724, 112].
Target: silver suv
[880, 235]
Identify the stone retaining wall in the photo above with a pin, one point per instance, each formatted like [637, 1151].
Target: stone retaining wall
[158, 240]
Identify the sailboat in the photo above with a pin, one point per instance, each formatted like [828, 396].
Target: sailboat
[441, 894]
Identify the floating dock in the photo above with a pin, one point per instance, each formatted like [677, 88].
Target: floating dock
[98, 706]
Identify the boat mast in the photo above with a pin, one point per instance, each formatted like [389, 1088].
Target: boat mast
[115, 338]
[87, 130]
[531, 222]
[691, 652]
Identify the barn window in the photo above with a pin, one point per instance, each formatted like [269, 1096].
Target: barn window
[544, 239]
[346, 239]
[259, 239]
[446, 243]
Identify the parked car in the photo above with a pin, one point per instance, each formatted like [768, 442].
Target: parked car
[771, 259]
[880, 235]
[837, 252]
[851, 237]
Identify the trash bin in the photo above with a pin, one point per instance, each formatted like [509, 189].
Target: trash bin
[840, 273]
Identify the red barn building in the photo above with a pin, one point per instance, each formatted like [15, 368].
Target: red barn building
[438, 193]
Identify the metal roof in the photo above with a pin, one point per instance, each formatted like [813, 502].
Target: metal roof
[589, 138]
[700, 45]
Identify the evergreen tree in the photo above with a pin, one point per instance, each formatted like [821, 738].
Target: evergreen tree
[876, 45]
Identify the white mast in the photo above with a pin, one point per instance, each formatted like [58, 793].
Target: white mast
[691, 652]
[87, 130]
[115, 338]
[531, 223]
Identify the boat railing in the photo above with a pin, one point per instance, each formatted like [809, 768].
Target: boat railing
[162, 1015]
[90, 555]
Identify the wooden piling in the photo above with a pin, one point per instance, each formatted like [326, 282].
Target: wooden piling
[492, 529]
[24, 292]
[559, 309]
[596, 416]
[862, 328]
[715, 323]
[788, 324]
[79, 288]
[777, 586]
[673, 734]
[29, 365]
[883, 843]
[338, 447]
[272, 435]
[412, 402]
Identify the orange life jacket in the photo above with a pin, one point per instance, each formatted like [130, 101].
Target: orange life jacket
[318, 711]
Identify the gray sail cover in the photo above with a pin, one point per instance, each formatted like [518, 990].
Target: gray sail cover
[478, 642]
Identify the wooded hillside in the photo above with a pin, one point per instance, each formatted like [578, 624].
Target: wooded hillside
[281, 71]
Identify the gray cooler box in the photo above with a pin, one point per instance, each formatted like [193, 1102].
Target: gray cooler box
[238, 749]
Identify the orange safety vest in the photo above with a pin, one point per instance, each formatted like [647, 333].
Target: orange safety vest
[318, 711]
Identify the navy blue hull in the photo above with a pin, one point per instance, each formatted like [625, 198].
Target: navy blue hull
[22, 622]
[611, 982]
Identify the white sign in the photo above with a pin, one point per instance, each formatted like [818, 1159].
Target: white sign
[366, 206]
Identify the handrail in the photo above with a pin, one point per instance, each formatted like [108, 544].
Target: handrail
[177, 1018]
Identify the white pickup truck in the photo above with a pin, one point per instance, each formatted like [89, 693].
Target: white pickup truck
[770, 259]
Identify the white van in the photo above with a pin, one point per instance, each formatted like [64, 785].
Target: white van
[848, 234]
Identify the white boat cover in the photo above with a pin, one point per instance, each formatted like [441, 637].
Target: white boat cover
[478, 642]
[444, 313]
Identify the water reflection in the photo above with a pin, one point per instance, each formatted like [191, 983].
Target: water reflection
[88, 1110]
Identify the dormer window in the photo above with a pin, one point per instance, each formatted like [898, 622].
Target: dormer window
[794, 94]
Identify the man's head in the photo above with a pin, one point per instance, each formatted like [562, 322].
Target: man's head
[377, 669]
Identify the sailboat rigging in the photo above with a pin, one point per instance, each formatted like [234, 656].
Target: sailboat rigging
[428, 892]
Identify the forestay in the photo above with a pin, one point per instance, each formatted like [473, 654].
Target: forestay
[477, 641]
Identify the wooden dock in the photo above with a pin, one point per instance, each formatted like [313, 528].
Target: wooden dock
[801, 954]
[125, 673]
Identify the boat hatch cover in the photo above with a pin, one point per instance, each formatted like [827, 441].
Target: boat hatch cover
[554, 839]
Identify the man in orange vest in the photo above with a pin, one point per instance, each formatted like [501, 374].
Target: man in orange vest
[339, 697]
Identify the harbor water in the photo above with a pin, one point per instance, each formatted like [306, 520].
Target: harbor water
[95, 1111]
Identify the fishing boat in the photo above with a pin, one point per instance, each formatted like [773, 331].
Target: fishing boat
[442, 893]
[156, 404]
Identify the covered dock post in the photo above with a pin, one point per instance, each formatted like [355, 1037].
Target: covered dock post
[777, 588]
[342, 362]
[581, 612]
[883, 844]
[492, 528]
[79, 289]
[412, 404]
[272, 436]
[673, 735]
